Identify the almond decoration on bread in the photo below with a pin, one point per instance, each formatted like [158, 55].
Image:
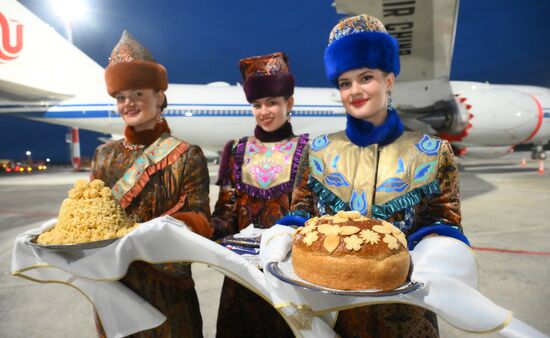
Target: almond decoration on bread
[349, 251]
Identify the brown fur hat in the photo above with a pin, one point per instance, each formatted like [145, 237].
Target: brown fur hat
[266, 76]
[131, 66]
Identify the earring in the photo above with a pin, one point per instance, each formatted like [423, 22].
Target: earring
[289, 116]
[389, 105]
[160, 118]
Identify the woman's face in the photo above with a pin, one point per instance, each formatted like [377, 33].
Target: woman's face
[139, 108]
[272, 112]
[364, 93]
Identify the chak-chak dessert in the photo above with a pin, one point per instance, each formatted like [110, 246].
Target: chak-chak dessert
[89, 214]
[351, 252]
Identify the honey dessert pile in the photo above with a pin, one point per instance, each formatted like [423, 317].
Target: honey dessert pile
[90, 213]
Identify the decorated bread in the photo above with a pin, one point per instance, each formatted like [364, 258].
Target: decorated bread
[90, 213]
[351, 252]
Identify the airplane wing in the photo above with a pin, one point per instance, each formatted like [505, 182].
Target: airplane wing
[15, 98]
[31, 74]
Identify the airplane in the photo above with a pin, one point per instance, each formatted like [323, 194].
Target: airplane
[66, 87]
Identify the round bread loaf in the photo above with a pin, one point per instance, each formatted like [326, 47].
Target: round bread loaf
[351, 252]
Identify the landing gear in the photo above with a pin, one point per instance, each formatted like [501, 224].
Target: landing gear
[538, 153]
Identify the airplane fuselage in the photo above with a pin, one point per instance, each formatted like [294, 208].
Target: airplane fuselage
[210, 115]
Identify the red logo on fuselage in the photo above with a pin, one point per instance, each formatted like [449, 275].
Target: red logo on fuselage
[10, 50]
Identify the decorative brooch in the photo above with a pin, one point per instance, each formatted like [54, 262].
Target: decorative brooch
[131, 146]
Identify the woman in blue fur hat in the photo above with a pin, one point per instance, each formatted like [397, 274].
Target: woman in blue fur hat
[375, 167]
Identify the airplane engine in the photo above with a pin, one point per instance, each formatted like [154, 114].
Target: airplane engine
[498, 116]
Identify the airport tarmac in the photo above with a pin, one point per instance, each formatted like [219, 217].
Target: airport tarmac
[505, 215]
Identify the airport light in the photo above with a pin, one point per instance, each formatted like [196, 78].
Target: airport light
[69, 11]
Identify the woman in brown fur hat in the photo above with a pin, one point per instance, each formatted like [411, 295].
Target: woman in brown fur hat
[149, 185]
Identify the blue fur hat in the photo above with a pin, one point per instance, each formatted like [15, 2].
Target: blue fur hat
[357, 42]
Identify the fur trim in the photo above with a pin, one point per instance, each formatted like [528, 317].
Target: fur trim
[362, 133]
[146, 137]
[198, 223]
[135, 75]
[374, 50]
[279, 84]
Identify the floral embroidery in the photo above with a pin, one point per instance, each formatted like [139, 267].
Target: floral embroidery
[400, 166]
[358, 202]
[428, 145]
[319, 143]
[336, 179]
[136, 169]
[265, 172]
[334, 162]
[316, 165]
[392, 184]
[267, 169]
[286, 147]
[253, 148]
[360, 23]
[353, 243]
[423, 171]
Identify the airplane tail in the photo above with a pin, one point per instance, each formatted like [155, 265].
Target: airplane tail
[37, 63]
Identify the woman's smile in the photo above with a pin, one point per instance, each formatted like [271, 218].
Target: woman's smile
[359, 102]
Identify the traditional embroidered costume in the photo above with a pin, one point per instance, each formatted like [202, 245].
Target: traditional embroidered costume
[152, 174]
[407, 178]
[256, 177]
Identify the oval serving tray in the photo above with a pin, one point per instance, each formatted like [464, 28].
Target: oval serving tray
[70, 247]
[285, 272]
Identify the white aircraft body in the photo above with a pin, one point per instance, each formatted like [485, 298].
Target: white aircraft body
[45, 78]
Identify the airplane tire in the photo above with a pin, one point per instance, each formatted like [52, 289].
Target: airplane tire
[538, 155]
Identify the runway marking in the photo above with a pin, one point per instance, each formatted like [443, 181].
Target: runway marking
[29, 214]
[506, 231]
[521, 252]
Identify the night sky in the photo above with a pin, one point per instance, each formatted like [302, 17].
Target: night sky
[500, 41]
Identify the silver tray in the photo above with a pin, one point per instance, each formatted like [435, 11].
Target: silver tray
[70, 247]
[285, 272]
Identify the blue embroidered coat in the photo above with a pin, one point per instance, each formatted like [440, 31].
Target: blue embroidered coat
[411, 182]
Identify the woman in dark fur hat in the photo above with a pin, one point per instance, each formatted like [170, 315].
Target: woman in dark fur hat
[256, 178]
